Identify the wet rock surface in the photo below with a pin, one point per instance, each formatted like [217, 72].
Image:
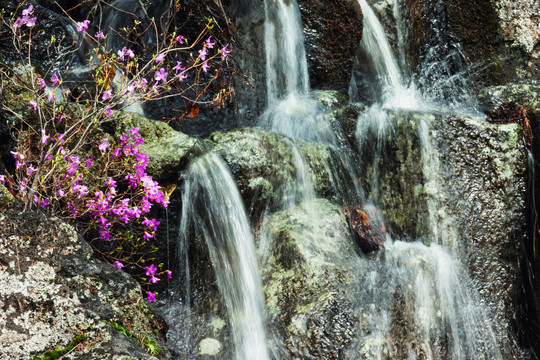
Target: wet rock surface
[478, 200]
[485, 169]
[264, 165]
[332, 32]
[53, 292]
[306, 268]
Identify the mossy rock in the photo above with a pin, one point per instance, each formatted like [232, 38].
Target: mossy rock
[167, 149]
[7, 201]
[308, 260]
[264, 165]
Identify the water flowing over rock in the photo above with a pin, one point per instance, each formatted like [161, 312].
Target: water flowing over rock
[307, 264]
[52, 294]
[264, 166]
[477, 198]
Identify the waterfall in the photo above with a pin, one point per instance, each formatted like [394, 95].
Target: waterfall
[286, 64]
[382, 70]
[214, 209]
[444, 315]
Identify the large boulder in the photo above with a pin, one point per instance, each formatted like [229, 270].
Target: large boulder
[460, 182]
[54, 296]
[307, 262]
[266, 166]
[500, 37]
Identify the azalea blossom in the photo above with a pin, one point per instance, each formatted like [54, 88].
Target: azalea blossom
[161, 75]
[151, 296]
[100, 34]
[41, 83]
[159, 58]
[104, 145]
[150, 270]
[205, 66]
[118, 264]
[44, 136]
[107, 94]
[178, 67]
[182, 76]
[224, 52]
[202, 53]
[154, 280]
[54, 79]
[2, 179]
[33, 104]
[51, 96]
[83, 26]
[209, 42]
[181, 39]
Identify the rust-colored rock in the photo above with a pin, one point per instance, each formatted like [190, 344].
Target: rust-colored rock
[368, 236]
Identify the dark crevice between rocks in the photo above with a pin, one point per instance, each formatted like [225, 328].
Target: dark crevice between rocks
[530, 317]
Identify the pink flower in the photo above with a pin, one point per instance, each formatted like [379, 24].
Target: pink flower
[169, 274]
[30, 170]
[54, 79]
[104, 235]
[224, 52]
[153, 280]
[30, 22]
[61, 193]
[147, 236]
[107, 94]
[181, 39]
[89, 163]
[104, 145]
[178, 67]
[130, 53]
[202, 53]
[45, 202]
[151, 296]
[205, 66]
[2, 179]
[41, 83]
[100, 35]
[18, 23]
[150, 270]
[151, 224]
[118, 264]
[29, 10]
[83, 26]
[161, 75]
[108, 112]
[51, 96]
[209, 42]
[33, 104]
[160, 57]
[44, 136]
[182, 76]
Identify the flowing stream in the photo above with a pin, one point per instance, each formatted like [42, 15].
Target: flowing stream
[213, 209]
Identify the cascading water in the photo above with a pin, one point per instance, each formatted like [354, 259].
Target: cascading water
[214, 210]
[443, 315]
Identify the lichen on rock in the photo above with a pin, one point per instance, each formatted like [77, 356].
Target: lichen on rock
[52, 291]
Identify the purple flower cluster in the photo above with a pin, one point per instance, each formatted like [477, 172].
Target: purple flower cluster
[25, 20]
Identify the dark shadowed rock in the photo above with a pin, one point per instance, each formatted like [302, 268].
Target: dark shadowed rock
[332, 32]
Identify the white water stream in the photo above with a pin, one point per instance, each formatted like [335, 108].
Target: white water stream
[214, 209]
